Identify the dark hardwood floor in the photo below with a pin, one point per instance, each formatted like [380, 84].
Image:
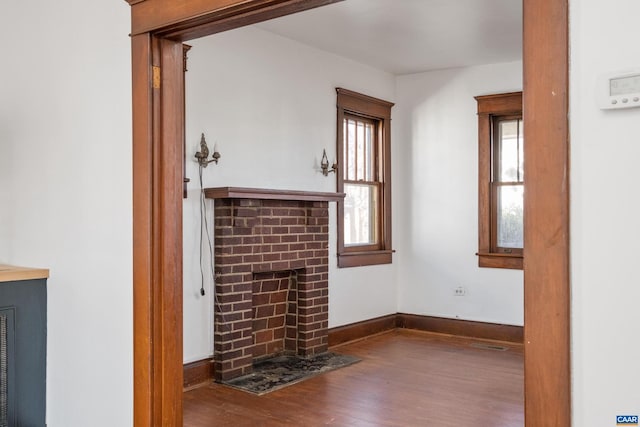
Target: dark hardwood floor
[405, 378]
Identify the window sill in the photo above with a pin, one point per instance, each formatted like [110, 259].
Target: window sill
[362, 258]
[494, 260]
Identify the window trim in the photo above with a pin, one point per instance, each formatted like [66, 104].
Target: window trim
[357, 104]
[489, 107]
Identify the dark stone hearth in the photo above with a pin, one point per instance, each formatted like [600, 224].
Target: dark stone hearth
[275, 373]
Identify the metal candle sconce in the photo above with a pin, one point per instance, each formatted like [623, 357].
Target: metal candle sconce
[324, 164]
[202, 155]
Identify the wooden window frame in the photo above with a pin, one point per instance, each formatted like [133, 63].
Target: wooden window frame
[375, 181]
[351, 103]
[496, 184]
[490, 108]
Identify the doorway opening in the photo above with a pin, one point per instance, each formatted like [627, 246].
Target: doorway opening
[159, 27]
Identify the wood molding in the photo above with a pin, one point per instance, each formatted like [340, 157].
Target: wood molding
[500, 103]
[185, 50]
[198, 372]
[268, 194]
[168, 210]
[361, 103]
[143, 313]
[547, 289]
[490, 107]
[157, 233]
[354, 331]
[361, 259]
[201, 371]
[187, 20]
[463, 328]
[495, 260]
[350, 103]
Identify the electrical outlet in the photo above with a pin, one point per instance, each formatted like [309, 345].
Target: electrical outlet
[460, 291]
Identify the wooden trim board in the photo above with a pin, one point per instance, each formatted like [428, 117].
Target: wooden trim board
[187, 20]
[268, 194]
[201, 371]
[198, 372]
[354, 331]
[547, 285]
[463, 328]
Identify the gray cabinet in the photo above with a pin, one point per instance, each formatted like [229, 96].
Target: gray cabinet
[23, 346]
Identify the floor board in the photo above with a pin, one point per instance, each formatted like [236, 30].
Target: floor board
[405, 378]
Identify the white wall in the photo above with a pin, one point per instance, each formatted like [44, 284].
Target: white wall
[605, 148]
[65, 179]
[269, 105]
[436, 197]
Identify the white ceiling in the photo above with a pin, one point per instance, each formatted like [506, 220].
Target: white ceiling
[411, 36]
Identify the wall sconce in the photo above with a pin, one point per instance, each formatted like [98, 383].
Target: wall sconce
[201, 156]
[324, 164]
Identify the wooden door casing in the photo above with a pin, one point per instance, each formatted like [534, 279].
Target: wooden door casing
[157, 28]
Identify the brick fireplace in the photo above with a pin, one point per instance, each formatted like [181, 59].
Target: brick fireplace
[271, 266]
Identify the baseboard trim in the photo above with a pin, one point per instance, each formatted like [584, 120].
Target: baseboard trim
[197, 372]
[463, 328]
[354, 331]
[201, 371]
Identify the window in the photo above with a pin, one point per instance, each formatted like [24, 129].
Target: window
[364, 175]
[500, 181]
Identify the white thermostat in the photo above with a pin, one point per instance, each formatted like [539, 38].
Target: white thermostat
[619, 90]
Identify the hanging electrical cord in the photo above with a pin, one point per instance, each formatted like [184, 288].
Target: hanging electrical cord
[203, 160]
[204, 229]
[203, 213]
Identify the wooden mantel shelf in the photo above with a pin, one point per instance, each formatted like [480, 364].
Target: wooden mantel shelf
[10, 273]
[268, 194]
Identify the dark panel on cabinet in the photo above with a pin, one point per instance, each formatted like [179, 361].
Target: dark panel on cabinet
[24, 306]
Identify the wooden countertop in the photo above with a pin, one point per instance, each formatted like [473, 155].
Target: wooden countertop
[11, 273]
